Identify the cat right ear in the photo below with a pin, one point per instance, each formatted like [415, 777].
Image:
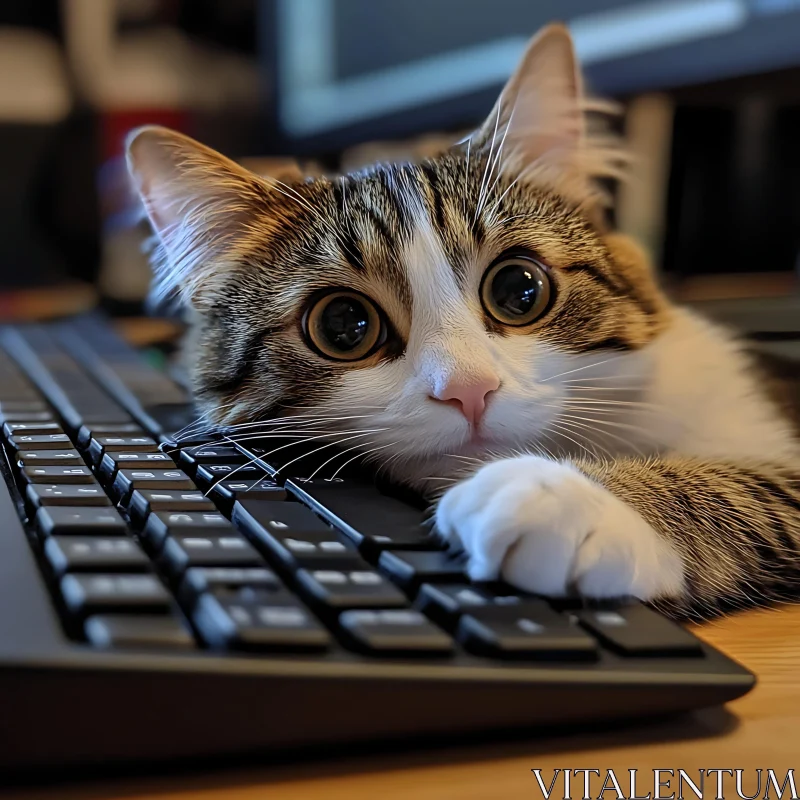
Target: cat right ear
[539, 121]
[539, 109]
[200, 205]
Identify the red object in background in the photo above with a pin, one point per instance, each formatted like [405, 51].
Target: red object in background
[124, 273]
[114, 126]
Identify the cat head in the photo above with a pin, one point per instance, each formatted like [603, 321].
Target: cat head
[416, 311]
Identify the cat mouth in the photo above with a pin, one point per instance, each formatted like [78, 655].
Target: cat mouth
[477, 444]
[477, 439]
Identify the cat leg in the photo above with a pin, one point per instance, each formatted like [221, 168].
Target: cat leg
[691, 534]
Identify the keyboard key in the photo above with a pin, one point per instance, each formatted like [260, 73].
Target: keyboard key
[77, 521]
[181, 552]
[100, 445]
[17, 393]
[119, 630]
[394, 632]
[126, 444]
[260, 517]
[66, 495]
[31, 427]
[637, 631]
[128, 480]
[161, 524]
[193, 457]
[208, 475]
[62, 380]
[285, 448]
[47, 458]
[239, 581]
[171, 411]
[61, 474]
[94, 554]
[111, 462]
[35, 412]
[215, 454]
[350, 589]
[227, 492]
[30, 408]
[372, 520]
[102, 429]
[278, 623]
[95, 594]
[47, 441]
[410, 569]
[445, 603]
[529, 630]
[187, 442]
[318, 550]
[152, 500]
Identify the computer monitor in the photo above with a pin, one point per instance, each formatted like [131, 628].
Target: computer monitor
[348, 70]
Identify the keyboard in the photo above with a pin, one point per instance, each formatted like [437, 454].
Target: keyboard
[165, 597]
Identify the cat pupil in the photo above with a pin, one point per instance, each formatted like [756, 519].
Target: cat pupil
[515, 289]
[345, 323]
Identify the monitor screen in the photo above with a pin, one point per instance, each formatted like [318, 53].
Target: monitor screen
[344, 65]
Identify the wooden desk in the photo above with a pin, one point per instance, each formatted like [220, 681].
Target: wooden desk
[761, 729]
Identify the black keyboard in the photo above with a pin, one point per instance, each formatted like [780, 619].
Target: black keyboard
[161, 599]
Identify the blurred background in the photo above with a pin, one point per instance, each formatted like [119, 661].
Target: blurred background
[710, 88]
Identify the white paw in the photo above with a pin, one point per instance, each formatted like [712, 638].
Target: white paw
[546, 528]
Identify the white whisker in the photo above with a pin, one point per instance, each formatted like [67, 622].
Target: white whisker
[561, 433]
[488, 163]
[335, 456]
[466, 177]
[575, 422]
[323, 447]
[587, 366]
[361, 455]
[482, 201]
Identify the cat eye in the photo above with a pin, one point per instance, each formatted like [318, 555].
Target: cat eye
[344, 325]
[516, 291]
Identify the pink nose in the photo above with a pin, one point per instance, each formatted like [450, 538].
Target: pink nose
[468, 398]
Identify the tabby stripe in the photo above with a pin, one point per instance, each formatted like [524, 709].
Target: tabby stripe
[624, 291]
[346, 240]
[351, 249]
[609, 343]
[777, 491]
[477, 229]
[436, 195]
[618, 287]
[244, 366]
[774, 494]
[382, 228]
[388, 178]
[599, 277]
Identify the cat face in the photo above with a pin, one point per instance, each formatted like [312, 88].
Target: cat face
[421, 312]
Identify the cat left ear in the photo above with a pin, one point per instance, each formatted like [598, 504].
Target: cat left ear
[199, 203]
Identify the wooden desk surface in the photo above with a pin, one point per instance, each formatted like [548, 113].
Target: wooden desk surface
[761, 729]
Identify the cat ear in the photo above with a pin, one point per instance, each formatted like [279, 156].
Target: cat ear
[539, 120]
[539, 109]
[200, 205]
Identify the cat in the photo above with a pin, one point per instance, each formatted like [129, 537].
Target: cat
[471, 324]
